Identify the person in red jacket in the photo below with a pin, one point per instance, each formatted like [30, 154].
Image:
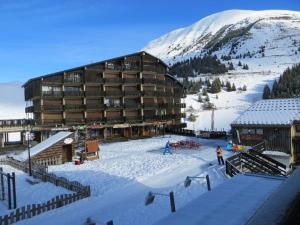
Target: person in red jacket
[219, 152]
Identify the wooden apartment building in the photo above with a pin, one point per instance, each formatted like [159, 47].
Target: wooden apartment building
[126, 97]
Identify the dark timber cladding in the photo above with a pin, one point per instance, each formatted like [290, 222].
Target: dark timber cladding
[129, 96]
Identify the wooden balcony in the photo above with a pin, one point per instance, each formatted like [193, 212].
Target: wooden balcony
[71, 121]
[96, 82]
[51, 108]
[149, 93]
[180, 105]
[113, 81]
[113, 107]
[94, 93]
[131, 105]
[150, 105]
[136, 93]
[73, 94]
[132, 81]
[161, 93]
[166, 105]
[133, 119]
[48, 122]
[114, 93]
[74, 108]
[29, 109]
[95, 107]
[114, 120]
[95, 120]
[149, 81]
[52, 94]
[160, 82]
[150, 117]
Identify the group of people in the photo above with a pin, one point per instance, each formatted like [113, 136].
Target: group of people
[219, 151]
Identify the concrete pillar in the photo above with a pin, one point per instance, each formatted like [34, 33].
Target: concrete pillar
[2, 140]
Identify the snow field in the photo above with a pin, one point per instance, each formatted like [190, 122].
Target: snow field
[127, 171]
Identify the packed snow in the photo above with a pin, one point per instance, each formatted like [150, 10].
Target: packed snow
[27, 193]
[234, 202]
[127, 171]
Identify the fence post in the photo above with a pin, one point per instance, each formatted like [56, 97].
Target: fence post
[9, 191]
[2, 185]
[208, 183]
[172, 202]
[14, 189]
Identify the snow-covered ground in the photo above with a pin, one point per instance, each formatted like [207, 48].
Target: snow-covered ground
[234, 202]
[229, 105]
[30, 193]
[127, 171]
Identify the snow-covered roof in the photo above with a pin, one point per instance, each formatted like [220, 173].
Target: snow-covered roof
[43, 145]
[231, 202]
[271, 112]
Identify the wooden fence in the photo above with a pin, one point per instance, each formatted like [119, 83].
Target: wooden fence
[30, 211]
[41, 173]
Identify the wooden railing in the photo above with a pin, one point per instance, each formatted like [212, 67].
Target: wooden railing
[41, 173]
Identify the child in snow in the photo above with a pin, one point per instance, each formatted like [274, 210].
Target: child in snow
[168, 148]
[219, 152]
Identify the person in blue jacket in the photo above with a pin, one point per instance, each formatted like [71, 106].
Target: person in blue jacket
[168, 148]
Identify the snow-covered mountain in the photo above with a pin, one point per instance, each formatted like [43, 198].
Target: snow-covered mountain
[267, 41]
[233, 32]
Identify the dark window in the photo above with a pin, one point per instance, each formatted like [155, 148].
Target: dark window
[298, 128]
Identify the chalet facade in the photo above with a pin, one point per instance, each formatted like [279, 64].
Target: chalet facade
[275, 122]
[126, 97]
[57, 149]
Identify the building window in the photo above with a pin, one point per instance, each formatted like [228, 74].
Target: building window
[73, 77]
[298, 128]
[112, 102]
[259, 131]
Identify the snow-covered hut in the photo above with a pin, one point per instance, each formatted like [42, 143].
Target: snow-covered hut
[57, 149]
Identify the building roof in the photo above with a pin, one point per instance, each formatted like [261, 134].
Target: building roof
[231, 202]
[271, 112]
[92, 64]
[43, 145]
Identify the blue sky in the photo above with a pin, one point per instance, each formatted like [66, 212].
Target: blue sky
[39, 37]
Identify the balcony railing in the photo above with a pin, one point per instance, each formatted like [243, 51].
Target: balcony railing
[74, 120]
[94, 93]
[149, 93]
[52, 108]
[74, 107]
[149, 81]
[131, 119]
[132, 81]
[50, 121]
[180, 105]
[150, 117]
[132, 93]
[132, 105]
[95, 106]
[112, 120]
[56, 94]
[160, 82]
[150, 105]
[113, 106]
[113, 93]
[96, 81]
[160, 93]
[73, 93]
[29, 109]
[113, 80]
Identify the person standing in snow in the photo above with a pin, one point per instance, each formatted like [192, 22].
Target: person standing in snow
[219, 152]
[167, 148]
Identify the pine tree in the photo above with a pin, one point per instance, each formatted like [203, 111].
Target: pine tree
[244, 88]
[216, 86]
[231, 66]
[228, 86]
[204, 92]
[200, 98]
[233, 88]
[267, 92]
[245, 67]
[239, 64]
